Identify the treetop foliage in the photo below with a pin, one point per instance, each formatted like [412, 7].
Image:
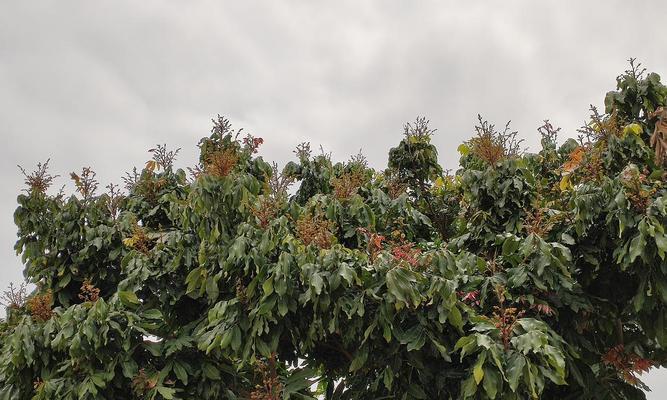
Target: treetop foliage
[521, 275]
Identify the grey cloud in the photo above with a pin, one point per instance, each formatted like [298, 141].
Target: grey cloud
[98, 83]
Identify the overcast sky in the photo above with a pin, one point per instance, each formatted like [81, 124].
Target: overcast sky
[98, 83]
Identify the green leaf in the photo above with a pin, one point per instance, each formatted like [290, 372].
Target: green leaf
[515, 367]
[210, 371]
[152, 314]
[316, 282]
[267, 286]
[466, 344]
[661, 244]
[455, 318]
[469, 387]
[399, 284]
[634, 129]
[167, 393]
[180, 372]
[416, 391]
[463, 149]
[478, 369]
[346, 273]
[492, 382]
[388, 377]
[299, 379]
[129, 299]
[510, 245]
[359, 360]
[212, 290]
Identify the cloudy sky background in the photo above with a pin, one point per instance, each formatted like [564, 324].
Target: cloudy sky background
[98, 83]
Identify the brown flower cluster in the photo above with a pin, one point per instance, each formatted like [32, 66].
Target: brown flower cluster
[600, 128]
[637, 191]
[142, 383]
[89, 292]
[628, 365]
[395, 186]
[39, 180]
[593, 170]
[315, 229]
[539, 223]
[220, 163]
[274, 199]
[347, 185]
[40, 306]
[14, 297]
[86, 184]
[265, 211]
[492, 146]
[270, 387]
[586, 160]
[241, 292]
[659, 137]
[162, 158]
[149, 186]
[505, 318]
[486, 149]
[375, 242]
[139, 240]
[113, 200]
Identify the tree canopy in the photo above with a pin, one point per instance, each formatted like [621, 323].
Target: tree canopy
[520, 275]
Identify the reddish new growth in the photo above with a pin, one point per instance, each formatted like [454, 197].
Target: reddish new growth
[469, 297]
[40, 306]
[38, 384]
[540, 308]
[270, 387]
[406, 252]
[628, 365]
[252, 143]
[89, 292]
[403, 250]
[543, 309]
[399, 248]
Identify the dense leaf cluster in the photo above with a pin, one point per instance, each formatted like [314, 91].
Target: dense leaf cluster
[520, 276]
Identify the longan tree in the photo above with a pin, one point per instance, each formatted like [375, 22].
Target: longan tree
[521, 275]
